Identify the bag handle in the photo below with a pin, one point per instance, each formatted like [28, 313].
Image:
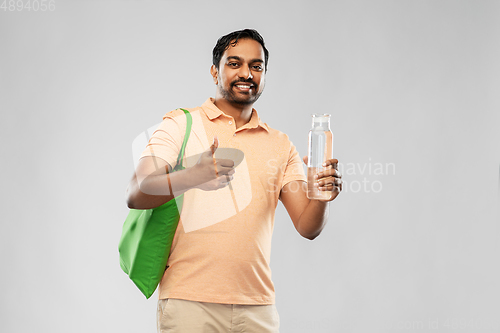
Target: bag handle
[189, 122]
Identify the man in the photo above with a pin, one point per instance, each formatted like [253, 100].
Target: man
[218, 277]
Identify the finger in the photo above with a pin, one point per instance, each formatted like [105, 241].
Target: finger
[214, 145]
[325, 181]
[333, 162]
[329, 181]
[224, 181]
[225, 166]
[223, 171]
[328, 173]
[333, 172]
[326, 188]
[331, 187]
[224, 178]
[305, 159]
[213, 148]
[227, 163]
[215, 168]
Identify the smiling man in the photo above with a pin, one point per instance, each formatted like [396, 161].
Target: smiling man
[218, 277]
[240, 77]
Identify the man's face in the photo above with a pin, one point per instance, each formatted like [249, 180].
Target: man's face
[240, 77]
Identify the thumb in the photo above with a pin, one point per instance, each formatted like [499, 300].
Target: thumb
[214, 145]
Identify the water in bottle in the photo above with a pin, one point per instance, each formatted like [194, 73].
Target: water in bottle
[320, 150]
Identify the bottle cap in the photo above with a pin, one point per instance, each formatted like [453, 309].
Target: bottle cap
[321, 120]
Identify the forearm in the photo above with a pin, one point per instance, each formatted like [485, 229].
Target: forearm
[313, 219]
[155, 190]
[153, 184]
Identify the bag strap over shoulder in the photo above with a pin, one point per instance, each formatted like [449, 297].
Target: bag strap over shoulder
[189, 122]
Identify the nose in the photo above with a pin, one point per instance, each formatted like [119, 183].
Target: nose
[245, 72]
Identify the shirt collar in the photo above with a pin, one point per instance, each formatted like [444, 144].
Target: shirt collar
[213, 112]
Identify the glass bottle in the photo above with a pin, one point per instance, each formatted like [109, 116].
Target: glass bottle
[320, 150]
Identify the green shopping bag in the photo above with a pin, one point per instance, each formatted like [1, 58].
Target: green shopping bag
[147, 236]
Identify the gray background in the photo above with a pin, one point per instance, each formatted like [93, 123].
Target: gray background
[412, 84]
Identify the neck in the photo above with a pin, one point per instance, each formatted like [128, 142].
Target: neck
[240, 113]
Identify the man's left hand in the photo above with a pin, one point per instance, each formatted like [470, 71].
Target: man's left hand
[329, 179]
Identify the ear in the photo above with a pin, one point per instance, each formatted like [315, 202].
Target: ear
[215, 74]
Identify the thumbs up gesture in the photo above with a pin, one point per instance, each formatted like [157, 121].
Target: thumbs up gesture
[211, 173]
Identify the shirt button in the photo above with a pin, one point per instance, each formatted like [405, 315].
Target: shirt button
[230, 122]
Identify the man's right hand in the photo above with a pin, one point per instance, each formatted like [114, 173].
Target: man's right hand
[151, 186]
[212, 174]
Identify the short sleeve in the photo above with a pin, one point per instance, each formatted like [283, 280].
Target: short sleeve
[166, 141]
[294, 169]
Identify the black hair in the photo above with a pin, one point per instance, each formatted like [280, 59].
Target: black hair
[231, 39]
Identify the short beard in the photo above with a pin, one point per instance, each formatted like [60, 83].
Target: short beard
[232, 98]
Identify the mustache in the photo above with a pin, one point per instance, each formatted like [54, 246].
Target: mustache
[243, 81]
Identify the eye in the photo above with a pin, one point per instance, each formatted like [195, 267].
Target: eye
[233, 64]
[257, 67]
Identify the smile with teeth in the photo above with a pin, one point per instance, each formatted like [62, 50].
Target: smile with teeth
[243, 86]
